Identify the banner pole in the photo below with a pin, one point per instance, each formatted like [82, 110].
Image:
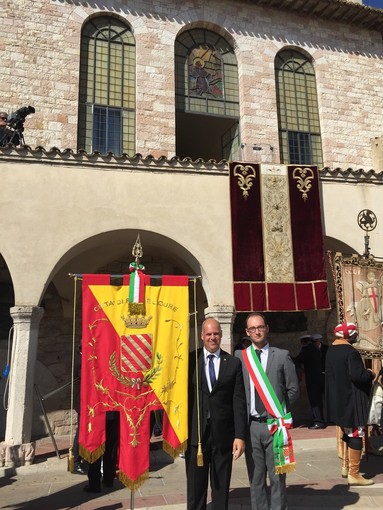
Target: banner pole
[131, 500]
[79, 275]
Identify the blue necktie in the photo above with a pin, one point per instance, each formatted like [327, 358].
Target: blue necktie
[211, 370]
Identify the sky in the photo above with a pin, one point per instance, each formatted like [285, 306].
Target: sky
[374, 3]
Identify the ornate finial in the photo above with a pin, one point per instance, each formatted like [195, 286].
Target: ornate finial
[137, 317]
[137, 251]
[367, 221]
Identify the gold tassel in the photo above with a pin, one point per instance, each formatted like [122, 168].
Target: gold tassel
[70, 467]
[286, 468]
[199, 456]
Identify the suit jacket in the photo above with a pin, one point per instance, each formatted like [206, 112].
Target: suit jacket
[348, 386]
[281, 372]
[226, 402]
[314, 363]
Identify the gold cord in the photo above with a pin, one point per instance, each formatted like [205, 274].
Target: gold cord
[71, 457]
[199, 452]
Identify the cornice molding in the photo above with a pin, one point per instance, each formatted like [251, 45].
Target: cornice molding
[342, 11]
[109, 161]
[98, 161]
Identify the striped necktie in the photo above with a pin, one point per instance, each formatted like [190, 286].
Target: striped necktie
[259, 406]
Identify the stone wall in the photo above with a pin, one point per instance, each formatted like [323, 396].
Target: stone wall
[40, 52]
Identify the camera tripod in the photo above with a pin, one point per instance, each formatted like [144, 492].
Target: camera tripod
[17, 137]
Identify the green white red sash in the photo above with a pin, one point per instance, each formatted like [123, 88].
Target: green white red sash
[137, 283]
[281, 422]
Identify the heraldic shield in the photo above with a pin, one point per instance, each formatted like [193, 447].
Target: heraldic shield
[134, 361]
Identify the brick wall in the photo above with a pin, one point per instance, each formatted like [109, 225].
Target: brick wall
[39, 55]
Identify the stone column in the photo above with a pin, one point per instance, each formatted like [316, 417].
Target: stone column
[17, 449]
[225, 315]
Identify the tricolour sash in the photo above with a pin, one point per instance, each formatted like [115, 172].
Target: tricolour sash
[281, 422]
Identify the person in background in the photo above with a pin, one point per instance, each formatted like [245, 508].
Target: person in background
[110, 457]
[217, 420]
[311, 360]
[242, 344]
[348, 386]
[7, 135]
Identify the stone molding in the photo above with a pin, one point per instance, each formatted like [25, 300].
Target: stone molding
[98, 161]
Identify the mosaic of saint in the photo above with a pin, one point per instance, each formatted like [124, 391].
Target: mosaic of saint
[205, 73]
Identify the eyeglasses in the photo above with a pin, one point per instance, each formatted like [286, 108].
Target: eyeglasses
[4, 118]
[254, 329]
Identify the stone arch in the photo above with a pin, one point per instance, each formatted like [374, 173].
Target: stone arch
[107, 252]
[111, 252]
[7, 298]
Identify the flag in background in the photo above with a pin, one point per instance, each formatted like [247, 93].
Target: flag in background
[277, 238]
[134, 363]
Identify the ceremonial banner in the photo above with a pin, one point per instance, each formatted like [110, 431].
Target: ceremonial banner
[134, 360]
[277, 238]
[359, 282]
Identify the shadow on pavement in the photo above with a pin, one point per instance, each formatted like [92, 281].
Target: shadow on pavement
[298, 495]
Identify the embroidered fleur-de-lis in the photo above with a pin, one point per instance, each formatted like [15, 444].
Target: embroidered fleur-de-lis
[304, 176]
[245, 175]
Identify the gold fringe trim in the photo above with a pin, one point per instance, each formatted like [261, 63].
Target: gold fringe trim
[70, 466]
[133, 484]
[91, 456]
[170, 450]
[286, 468]
[199, 456]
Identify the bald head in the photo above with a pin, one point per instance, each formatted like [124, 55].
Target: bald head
[211, 335]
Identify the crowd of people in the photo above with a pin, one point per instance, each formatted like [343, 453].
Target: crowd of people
[237, 402]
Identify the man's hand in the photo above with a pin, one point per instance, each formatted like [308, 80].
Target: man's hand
[238, 448]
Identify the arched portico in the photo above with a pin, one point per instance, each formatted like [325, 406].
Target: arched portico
[107, 252]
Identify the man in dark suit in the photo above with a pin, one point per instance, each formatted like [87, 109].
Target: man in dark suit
[281, 373]
[217, 420]
[313, 359]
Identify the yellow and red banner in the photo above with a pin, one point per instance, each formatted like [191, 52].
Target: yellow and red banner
[135, 361]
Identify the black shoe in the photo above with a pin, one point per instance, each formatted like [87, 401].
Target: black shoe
[316, 426]
[78, 469]
[88, 488]
[107, 484]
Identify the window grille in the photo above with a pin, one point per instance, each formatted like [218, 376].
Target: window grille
[107, 87]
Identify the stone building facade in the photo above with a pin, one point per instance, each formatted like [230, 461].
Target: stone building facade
[64, 209]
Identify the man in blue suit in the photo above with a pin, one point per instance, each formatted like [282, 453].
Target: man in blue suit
[217, 420]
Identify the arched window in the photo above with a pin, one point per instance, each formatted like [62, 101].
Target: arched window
[298, 116]
[107, 87]
[207, 98]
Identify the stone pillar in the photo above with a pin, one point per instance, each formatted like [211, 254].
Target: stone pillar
[225, 315]
[17, 448]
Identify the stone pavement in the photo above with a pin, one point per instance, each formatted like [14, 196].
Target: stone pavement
[316, 483]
